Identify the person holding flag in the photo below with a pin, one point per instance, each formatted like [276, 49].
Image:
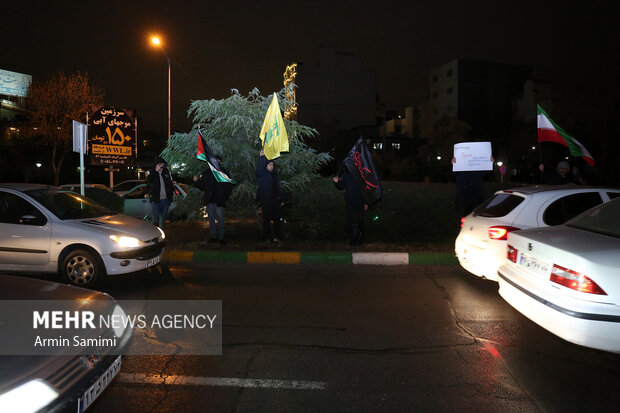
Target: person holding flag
[217, 188]
[269, 195]
[358, 177]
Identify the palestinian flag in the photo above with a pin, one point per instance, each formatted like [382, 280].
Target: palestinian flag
[204, 154]
[549, 131]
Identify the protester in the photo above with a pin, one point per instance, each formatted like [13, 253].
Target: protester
[160, 190]
[560, 176]
[215, 195]
[269, 195]
[469, 190]
[356, 206]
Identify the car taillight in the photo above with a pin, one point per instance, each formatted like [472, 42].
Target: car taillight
[462, 222]
[500, 232]
[511, 253]
[574, 280]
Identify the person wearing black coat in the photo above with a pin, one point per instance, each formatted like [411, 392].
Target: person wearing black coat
[269, 195]
[356, 206]
[160, 191]
[215, 195]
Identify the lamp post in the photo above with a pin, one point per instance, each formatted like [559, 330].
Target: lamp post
[157, 43]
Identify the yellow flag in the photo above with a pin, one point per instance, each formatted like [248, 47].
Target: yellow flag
[273, 133]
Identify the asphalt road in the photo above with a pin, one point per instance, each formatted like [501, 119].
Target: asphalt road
[338, 338]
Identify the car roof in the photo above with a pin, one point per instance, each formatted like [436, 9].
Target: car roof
[536, 189]
[24, 186]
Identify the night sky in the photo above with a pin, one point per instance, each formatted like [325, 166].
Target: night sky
[216, 46]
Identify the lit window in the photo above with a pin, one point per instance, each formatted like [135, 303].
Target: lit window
[396, 146]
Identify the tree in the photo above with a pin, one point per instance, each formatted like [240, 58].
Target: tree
[52, 105]
[231, 127]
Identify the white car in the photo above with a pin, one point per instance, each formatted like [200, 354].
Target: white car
[137, 203]
[566, 278]
[51, 230]
[481, 244]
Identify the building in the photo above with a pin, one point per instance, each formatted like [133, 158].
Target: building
[337, 94]
[479, 93]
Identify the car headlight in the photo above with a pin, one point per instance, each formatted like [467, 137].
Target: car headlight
[29, 397]
[163, 235]
[125, 241]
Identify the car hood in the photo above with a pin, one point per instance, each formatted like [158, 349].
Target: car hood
[120, 224]
[20, 369]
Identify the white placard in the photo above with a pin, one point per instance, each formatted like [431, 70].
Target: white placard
[472, 156]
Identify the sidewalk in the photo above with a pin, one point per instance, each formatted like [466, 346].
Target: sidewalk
[188, 242]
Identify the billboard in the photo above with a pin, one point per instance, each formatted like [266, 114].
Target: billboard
[14, 84]
[111, 137]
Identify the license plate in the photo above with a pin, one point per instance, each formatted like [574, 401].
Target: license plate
[153, 261]
[533, 264]
[89, 396]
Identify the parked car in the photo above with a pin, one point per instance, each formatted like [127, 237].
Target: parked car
[77, 187]
[138, 205]
[566, 279]
[52, 230]
[481, 243]
[123, 187]
[100, 194]
[59, 382]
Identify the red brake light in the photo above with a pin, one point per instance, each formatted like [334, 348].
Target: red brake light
[500, 232]
[574, 280]
[511, 253]
[462, 222]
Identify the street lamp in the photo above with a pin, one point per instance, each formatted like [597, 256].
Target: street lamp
[157, 43]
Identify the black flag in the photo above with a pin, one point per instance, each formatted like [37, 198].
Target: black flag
[360, 165]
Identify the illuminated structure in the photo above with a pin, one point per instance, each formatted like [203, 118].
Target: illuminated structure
[290, 75]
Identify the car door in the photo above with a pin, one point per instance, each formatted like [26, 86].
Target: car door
[25, 232]
[137, 203]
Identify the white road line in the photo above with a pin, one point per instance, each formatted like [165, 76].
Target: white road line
[220, 381]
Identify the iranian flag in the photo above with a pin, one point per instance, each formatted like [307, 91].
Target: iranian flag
[549, 131]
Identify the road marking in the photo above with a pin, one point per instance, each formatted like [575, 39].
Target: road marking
[220, 381]
[381, 258]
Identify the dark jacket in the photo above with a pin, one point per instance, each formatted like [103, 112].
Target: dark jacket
[154, 184]
[214, 191]
[352, 194]
[268, 182]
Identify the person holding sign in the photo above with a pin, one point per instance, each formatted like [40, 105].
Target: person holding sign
[471, 163]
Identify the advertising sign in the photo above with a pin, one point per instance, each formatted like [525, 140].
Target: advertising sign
[14, 84]
[111, 139]
[472, 156]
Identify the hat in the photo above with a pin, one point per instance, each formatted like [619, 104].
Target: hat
[563, 165]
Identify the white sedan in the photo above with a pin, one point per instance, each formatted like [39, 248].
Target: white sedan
[52, 230]
[481, 243]
[566, 278]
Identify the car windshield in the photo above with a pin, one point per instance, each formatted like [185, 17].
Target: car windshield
[68, 205]
[498, 205]
[602, 219]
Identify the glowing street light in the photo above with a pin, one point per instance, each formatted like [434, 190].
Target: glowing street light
[157, 42]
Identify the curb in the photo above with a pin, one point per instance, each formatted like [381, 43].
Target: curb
[358, 258]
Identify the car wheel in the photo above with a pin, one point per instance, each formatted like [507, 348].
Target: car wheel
[81, 268]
